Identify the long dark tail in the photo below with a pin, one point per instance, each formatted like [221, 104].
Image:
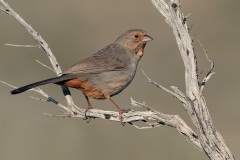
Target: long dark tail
[61, 78]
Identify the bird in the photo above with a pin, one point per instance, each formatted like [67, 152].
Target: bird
[105, 73]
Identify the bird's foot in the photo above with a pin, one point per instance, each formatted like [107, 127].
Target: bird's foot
[121, 111]
[87, 118]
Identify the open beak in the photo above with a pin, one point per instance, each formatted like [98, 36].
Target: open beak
[147, 38]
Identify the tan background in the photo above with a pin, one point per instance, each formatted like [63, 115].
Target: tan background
[76, 29]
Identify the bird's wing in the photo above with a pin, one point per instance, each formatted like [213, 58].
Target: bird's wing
[110, 58]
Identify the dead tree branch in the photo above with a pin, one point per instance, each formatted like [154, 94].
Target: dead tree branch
[207, 137]
[211, 140]
[41, 43]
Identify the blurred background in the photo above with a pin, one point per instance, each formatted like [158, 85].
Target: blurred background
[76, 29]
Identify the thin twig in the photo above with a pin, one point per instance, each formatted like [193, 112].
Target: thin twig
[142, 105]
[24, 46]
[8, 84]
[209, 73]
[180, 97]
[147, 127]
[158, 85]
[44, 65]
[40, 91]
[39, 99]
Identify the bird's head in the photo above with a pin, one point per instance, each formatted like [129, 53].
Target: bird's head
[134, 40]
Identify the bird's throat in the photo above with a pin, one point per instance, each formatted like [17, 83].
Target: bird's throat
[140, 52]
[140, 49]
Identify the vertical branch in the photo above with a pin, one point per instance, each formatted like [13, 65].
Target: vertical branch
[211, 140]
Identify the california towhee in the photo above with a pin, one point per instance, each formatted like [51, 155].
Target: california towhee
[105, 73]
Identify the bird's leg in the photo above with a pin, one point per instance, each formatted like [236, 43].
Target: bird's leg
[87, 109]
[120, 111]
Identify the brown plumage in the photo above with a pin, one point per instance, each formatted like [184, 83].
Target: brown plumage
[105, 73]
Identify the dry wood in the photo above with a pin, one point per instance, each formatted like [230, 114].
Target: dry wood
[207, 137]
[211, 140]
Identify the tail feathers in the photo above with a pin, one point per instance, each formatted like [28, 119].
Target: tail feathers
[47, 81]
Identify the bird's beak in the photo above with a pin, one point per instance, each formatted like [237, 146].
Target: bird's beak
[147, 38]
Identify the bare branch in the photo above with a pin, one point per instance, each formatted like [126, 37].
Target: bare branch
[38, 90]
[24, 46]
[179, 95]
[172, 121]
[211, 140]
[44, 65]
[39, 99]
[209, 73]
[207, 138]
[153, 125]
[35, 35]
[146, 116]
[5, 10]
[41, 42]
[8, 84]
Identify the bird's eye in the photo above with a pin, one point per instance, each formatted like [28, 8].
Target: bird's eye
[136, 36]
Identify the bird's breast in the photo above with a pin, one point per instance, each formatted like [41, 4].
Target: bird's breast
[125, 78]
[106, 84]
